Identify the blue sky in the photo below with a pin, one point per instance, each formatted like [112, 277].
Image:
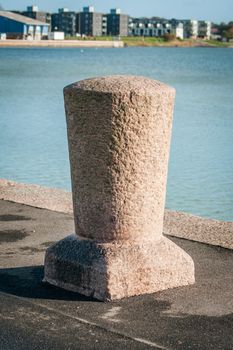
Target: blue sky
[213, 10]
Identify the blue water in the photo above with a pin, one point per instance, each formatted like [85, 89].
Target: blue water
[33, 144]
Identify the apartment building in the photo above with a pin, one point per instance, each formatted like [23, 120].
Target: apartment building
[117, 23]
[182, 29]
[204, 29]
[151, 27]
[64, 21]
[178, 30]
[147, 28]
[33, 12]
[190, 28]
[91, 23]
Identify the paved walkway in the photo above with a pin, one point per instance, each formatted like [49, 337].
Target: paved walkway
[34, 315]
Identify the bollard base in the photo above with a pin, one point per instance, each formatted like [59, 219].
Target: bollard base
[109, 271]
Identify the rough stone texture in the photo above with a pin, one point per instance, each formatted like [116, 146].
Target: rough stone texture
[119, 135]
[109, 271]
[36, 196]
[119, 131]
[214, 232]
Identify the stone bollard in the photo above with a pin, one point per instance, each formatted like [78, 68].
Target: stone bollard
[119, 130]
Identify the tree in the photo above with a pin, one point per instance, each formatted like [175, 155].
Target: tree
[228, 34]
[225, 30]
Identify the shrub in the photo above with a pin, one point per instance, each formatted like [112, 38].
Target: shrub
[169, 37]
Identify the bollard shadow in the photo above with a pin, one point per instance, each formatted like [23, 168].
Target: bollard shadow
[27, 282]
[213, 285]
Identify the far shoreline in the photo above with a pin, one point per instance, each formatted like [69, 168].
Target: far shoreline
[107, 43]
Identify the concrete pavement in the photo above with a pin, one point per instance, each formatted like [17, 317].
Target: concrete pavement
[34, 315]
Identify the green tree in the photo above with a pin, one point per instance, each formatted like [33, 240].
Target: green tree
[228, 34]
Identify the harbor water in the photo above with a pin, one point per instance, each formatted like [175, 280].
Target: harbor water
[33, 141]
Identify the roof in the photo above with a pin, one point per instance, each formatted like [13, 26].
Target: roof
[22, 19]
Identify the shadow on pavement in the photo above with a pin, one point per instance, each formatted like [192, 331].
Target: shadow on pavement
[27, 282]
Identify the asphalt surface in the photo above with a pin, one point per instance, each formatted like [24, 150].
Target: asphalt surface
[34, 315]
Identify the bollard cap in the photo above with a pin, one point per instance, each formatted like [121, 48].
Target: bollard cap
[121, 84]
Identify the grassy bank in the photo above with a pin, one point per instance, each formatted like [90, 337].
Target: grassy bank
[149, 41]
[140, 41]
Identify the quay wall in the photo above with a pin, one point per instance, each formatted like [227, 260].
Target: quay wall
[176, 224]
[61, 43]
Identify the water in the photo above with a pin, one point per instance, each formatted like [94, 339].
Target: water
[33, 144]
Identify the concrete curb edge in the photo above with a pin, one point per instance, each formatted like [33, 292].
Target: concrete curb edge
[177, 224]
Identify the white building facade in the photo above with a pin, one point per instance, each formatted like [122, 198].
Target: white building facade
[182, 29]
[204, 29]
[154, 29]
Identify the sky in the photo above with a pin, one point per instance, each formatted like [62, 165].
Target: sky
[213, 10]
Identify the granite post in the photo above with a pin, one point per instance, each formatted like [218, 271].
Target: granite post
[119, 130]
